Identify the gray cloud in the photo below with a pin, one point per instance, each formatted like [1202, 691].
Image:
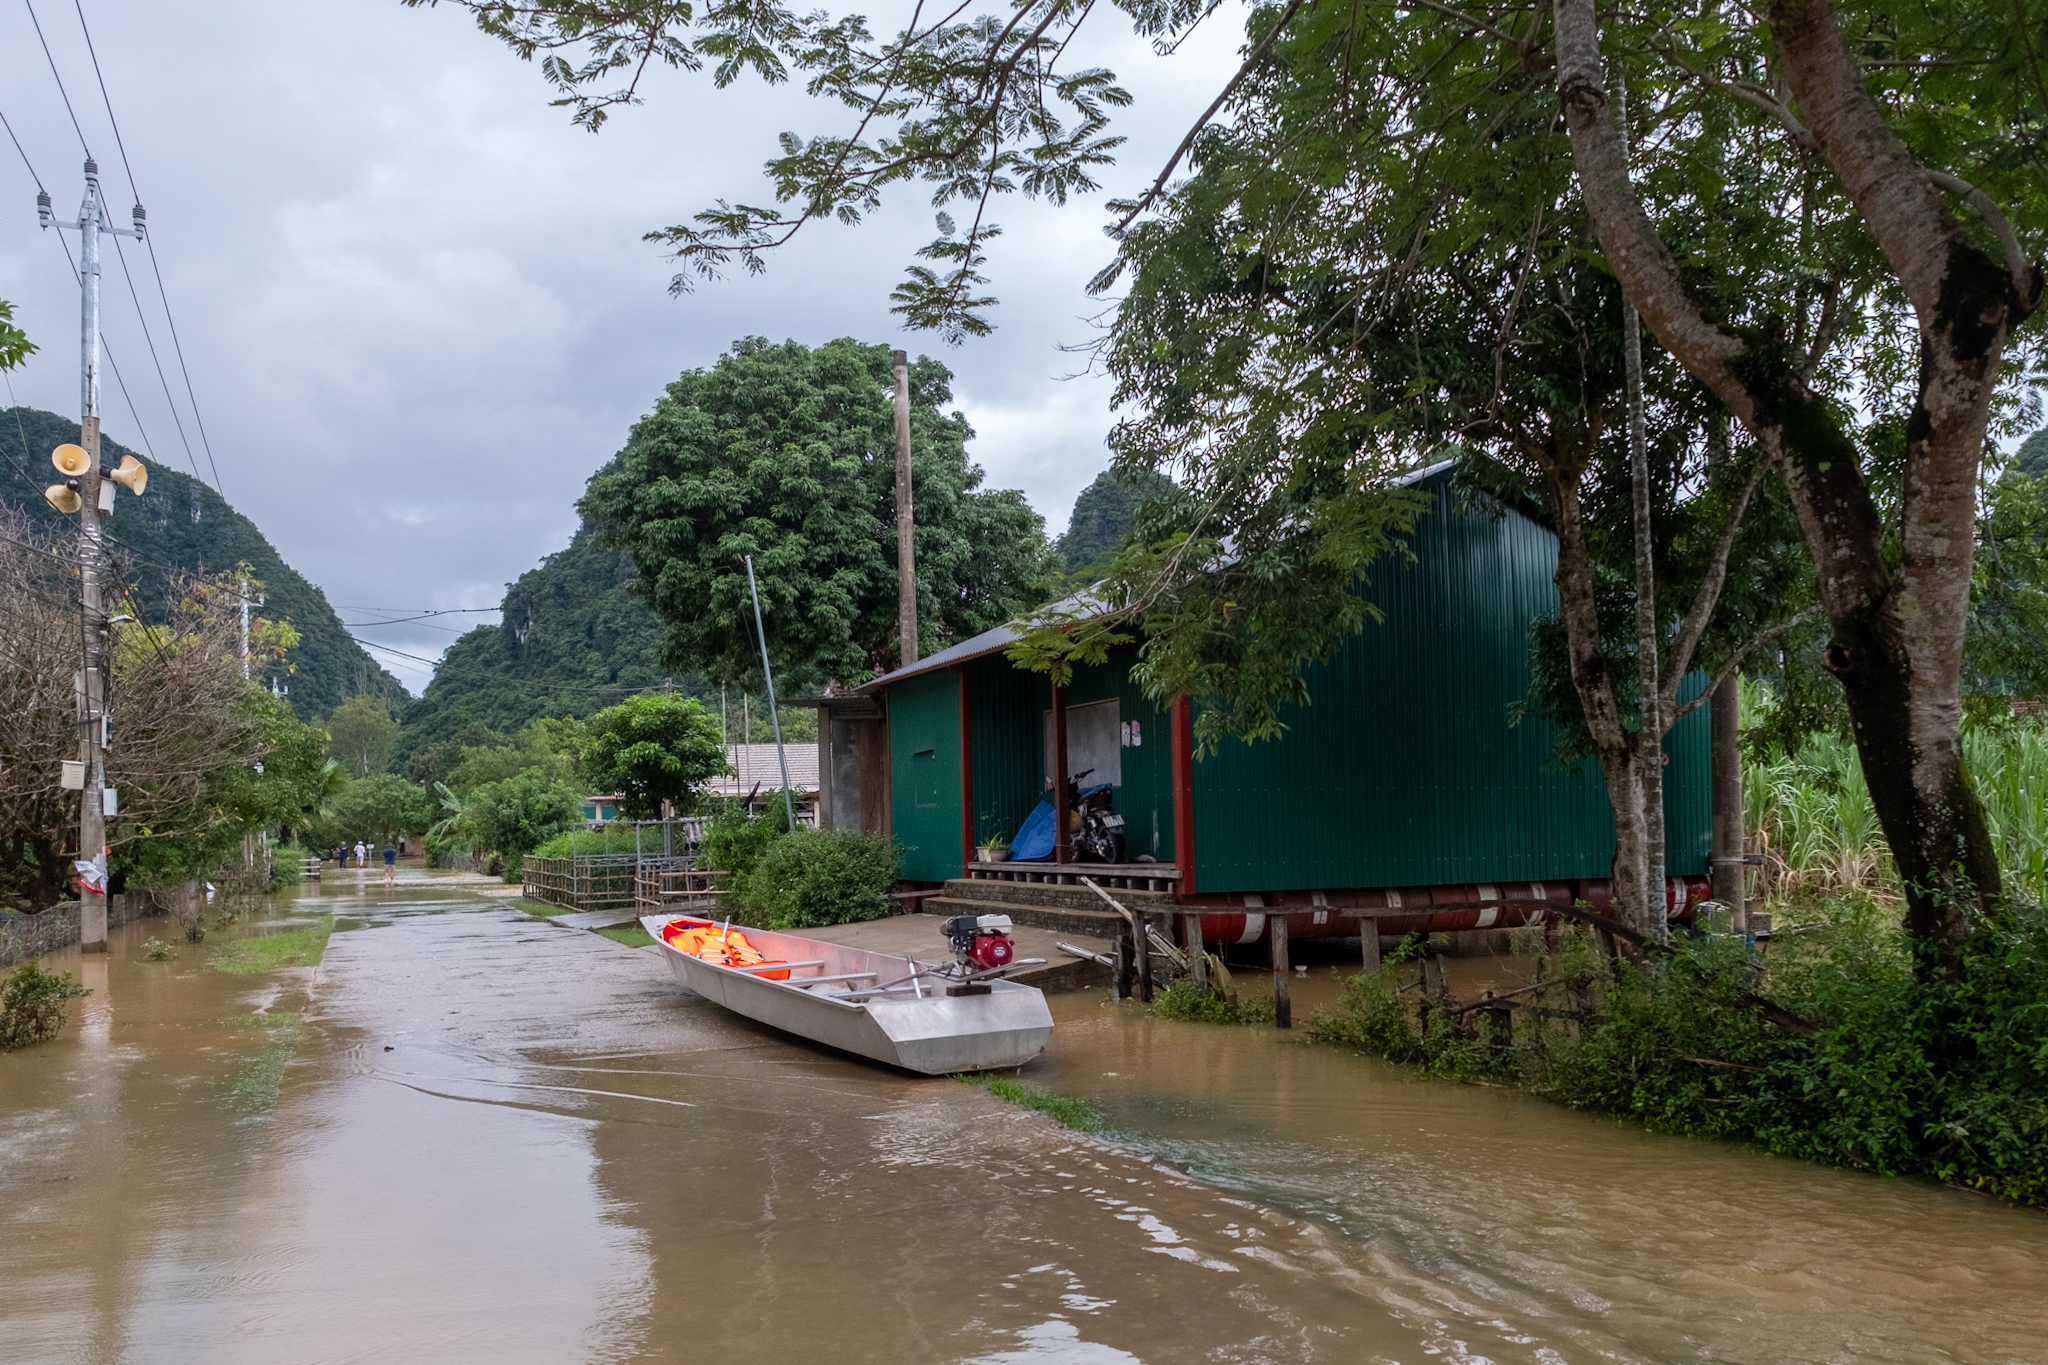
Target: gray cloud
[415, 301]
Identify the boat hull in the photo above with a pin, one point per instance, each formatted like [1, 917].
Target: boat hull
[935, 1034]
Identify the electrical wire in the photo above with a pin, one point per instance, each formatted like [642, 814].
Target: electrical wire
[60, 80]
[149, 241]
[24, 155]
[169, 401]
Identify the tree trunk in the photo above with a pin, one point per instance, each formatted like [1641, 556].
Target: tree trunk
[1612, 742]
[1897, 646]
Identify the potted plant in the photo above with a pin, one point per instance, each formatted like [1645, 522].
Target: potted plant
[994, 848]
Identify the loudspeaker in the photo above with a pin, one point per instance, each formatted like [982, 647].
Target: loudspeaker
[71, 461]
[133, 475]
[64, 498]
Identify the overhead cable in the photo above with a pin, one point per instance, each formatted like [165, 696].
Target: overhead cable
[156, 269]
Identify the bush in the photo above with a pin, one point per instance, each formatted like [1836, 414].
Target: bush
[811, 878]
[287, 866]
[584, 843]
[32, 1005]
[1181, 999]
[735, 841]
[1905, 1075]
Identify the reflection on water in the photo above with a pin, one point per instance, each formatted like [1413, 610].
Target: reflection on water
[493, 1139]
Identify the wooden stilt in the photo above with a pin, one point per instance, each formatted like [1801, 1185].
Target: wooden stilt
[1283, 1008]
[1120, 979]
[1198, 957]
[1369, 945]
[1142, 956]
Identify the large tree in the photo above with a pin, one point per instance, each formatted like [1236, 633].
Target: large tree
[787, 454]
[1885, 126]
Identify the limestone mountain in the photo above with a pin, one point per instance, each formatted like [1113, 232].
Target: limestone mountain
[182, 524]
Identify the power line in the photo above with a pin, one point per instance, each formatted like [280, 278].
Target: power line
[170, 318]
[24, 155]
[169, 401]
[60, 80]
[387, 649]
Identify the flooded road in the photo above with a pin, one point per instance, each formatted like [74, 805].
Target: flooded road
[470, 1135]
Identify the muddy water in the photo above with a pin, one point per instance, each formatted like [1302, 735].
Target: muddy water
[495, 1139]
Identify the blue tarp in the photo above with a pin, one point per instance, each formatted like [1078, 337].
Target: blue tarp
[1034, 840]
[1033, 843]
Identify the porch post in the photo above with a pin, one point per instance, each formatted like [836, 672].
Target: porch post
[1183, 741]
[1062, 844]
[1276, 943]
[966, 778]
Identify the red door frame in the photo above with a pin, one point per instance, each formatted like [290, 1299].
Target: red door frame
[1184, 795]
[966, 776]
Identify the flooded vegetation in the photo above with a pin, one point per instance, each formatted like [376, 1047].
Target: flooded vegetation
[463, 1133]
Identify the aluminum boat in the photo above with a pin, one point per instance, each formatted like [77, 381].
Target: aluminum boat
[915, 1015]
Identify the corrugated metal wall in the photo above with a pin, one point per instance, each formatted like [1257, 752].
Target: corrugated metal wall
[924, 756]
[1006, 707]
[1002, 707]
[1405, 770]
[1145, 799]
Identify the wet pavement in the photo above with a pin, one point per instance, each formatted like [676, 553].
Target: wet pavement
[472, 1135]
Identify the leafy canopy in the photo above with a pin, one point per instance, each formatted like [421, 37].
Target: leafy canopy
[652, 749]
[788, 454]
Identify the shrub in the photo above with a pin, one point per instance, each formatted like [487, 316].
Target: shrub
[1182, 999]
[156, 950]
[32, 1005]
[810, 878]
[1905, 1075]
[584, 843]
[735, 841]
[287, 866]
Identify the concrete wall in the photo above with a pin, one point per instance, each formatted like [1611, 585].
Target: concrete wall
[24, 937]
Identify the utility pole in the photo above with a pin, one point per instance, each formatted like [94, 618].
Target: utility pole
[906, 548]
[96, 497]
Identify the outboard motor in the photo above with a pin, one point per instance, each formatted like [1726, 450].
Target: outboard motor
[981, 943]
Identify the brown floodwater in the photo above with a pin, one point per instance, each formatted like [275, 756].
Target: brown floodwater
[469, 1135]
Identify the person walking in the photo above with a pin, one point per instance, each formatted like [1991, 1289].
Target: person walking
[362, 855]
[390, 865]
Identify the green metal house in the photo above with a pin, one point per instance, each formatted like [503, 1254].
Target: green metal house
[1408, 769]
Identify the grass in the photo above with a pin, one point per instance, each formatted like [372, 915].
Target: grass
[542, 910]
[632, 935]
[300, 947]
[256, 1084]
[1066, 1110]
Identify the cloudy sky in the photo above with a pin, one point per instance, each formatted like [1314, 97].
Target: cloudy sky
[414, 301]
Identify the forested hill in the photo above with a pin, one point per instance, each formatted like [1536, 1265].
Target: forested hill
[183, 524]
[574, 640]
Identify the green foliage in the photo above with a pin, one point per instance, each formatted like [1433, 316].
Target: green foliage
[32, 1005]
[1104, 517]
[1069, 1111]
[183, 523]
[651, 750]
[787, 453]
[189, 836]
[809, 878]
[287, 866]
[361, 733]
[15, 347]
[297, 946]
[517, 815]
[632, 935]
[735, 841]
[1181, 999]
[586, 843]
[1904, 1077]
[379, 808]
[550, 745]
[574, 638]
[156, 950]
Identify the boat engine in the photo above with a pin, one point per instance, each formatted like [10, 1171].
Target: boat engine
[981, 942]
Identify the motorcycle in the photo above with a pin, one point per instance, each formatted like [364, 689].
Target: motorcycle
[1096, 830]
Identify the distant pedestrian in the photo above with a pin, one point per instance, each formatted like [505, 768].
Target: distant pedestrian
[362, 855]
[390, 865]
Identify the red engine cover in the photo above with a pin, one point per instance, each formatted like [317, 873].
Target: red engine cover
[990, 951]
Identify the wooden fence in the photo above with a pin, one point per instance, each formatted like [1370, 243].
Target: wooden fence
[601, 881]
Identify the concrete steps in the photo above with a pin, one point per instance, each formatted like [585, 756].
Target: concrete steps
[1064, 909]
